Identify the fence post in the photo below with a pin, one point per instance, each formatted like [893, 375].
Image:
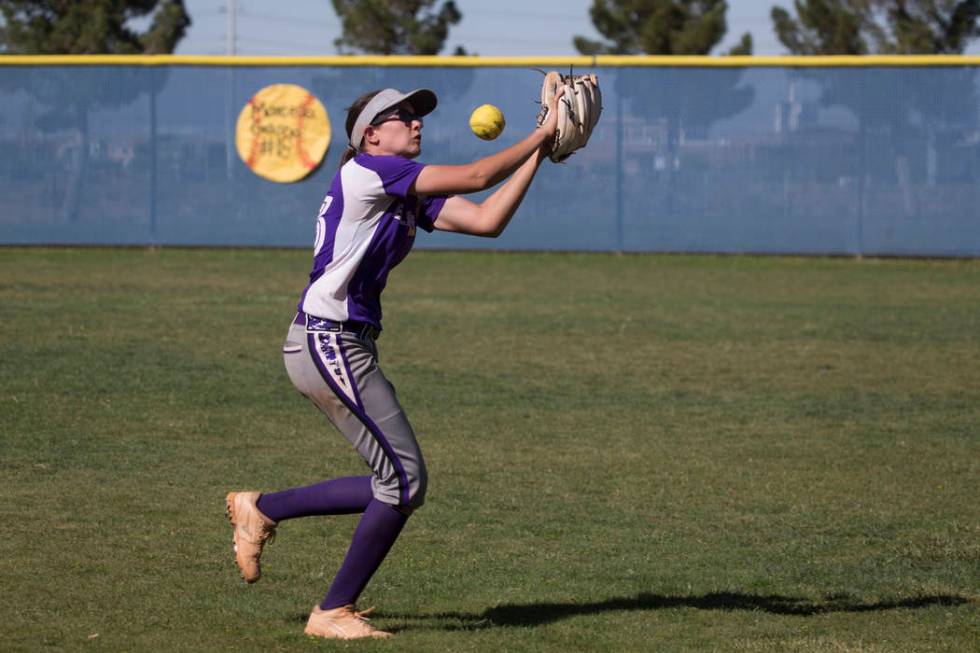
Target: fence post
[153, 160]
[619, 172]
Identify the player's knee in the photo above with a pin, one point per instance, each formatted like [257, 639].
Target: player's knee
[414, 503]
[418, 488]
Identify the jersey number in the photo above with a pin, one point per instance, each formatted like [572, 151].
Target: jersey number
[321, 225]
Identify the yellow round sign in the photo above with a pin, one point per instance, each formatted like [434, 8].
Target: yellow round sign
[283, 133]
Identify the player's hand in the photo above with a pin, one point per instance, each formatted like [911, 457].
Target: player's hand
[549, 123]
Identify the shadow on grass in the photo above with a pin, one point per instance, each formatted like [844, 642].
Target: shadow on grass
[539, 614]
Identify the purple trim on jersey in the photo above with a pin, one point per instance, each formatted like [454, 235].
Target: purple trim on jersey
[397, 173]
[431, 207]
[360, 414]
[331, 218]
[387, 249]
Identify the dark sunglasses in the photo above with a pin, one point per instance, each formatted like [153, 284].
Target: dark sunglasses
[404, 115]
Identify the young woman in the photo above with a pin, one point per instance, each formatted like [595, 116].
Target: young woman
[365, 227]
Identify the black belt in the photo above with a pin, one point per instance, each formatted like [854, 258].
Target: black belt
[358, 328]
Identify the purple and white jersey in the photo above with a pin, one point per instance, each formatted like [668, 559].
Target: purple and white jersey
[365, 227]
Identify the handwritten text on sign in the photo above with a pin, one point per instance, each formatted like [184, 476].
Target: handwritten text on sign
[283, 133]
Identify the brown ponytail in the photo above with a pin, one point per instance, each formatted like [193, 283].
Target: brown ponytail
[348, 154]
[353, 111]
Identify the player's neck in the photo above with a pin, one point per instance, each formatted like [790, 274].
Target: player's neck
[377, 150]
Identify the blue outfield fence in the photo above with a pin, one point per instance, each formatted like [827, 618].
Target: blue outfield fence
[858, 160]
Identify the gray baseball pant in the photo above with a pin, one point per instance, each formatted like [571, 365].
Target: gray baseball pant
[338, 371]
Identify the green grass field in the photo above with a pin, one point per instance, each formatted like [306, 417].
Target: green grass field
[626, 453]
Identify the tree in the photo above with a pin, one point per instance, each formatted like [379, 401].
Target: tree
[827, 27]
[659, 27]
[395, 26]
[91, 27]
[932, 26]
[877, 26]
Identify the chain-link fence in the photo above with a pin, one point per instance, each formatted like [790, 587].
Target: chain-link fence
[873, 160]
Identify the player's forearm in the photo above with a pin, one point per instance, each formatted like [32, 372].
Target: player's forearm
[497, 210]
[481, 174]
[501, 165]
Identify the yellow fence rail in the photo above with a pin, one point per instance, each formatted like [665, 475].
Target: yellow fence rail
[483, 62]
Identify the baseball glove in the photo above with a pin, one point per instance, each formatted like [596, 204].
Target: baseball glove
[578, 111]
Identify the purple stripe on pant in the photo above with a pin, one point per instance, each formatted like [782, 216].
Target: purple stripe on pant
[356, 407]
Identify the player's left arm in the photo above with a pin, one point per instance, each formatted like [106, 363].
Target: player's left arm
[490, 217]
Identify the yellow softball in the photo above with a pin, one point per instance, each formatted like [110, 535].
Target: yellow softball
[487, 122]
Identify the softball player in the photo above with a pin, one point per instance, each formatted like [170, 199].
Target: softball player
[365, 227]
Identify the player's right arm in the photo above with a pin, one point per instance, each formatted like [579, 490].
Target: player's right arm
[488, 171]
[490, 217]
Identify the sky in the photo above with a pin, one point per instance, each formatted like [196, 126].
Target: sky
[498, 28]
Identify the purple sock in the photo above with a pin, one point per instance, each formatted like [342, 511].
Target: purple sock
[375, 534]
[341, 496]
